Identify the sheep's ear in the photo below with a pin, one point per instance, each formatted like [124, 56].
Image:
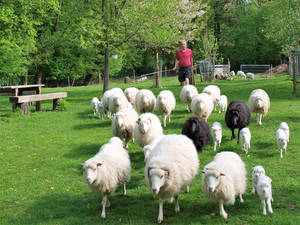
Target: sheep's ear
[149, 168]
[81, 164]
[203, 171]
[99, 164]
[167, 171]
[222, 174]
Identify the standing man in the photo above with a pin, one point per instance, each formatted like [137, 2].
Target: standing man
[184, 59]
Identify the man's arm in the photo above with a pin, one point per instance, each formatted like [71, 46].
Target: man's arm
[176, 64]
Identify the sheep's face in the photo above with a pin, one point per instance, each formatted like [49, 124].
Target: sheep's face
[189, 95]
[120, 120]
[265, 185]
[234, 117]
[144, 125]
[259, 103]
[216, 131]
[257, 171]
[90, 171]
[117, 101]
[162, 100]
[158, 178]
[212, 178]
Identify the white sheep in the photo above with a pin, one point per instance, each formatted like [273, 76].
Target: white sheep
[256, 172]
[109, 168]
[214, 92]
[216, 131]
[95, 101]
[123, 124]
[250, 76]
[245, 136]
[165, 104]
[222, 103]
[223, 179]
[202, 105]
[232, 73]
[101, 110]
[264, 190]
[147, 127]
[281, 141]
[118, 102]
[187, 93]
[241, 74]
[145, 101]
[106, 97]
[259, 102]
[284, 126]
[148, 148]
[130, 94]
[172, 165]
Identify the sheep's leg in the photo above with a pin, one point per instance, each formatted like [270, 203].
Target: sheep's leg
[260, 117]
[104, 202]
[238, 137]
[269, 205]
[280, 152]
[171, 200]
[263, 203]
[232, 136]
[169, 117]
[160, 213]
[124, 189]
[187, 189]
[165, 120]
[126, 142]
[177, 209]
[215, 146]
[107, 203]
[222, 211]
[256, 117]
[253, 189]
[188, 108]
[241, 198]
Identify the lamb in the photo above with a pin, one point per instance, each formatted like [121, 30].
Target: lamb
[214, 92]
[187, 93]
[232, 73]
[256, 172]
[106, 97]
[197, 130]
[281, 141]
[237, 116]
[216, 131]
[145, 101]
[130, 94]
[264, 190]
[284, 126]
[202, 105]
[223, 179]
[222, 103]
[95, 101]
[245, 136]
[165, 104]
[106, 170]
[123, 124]
[250, 76]
[259, 102]
[147, 127]
[172, 165]
[241, 74]
[101, 110]
[148, 148]
[117, 102]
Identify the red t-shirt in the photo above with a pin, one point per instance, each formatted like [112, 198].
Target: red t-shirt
[185, 57]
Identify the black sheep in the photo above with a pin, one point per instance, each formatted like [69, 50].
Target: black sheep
[237, 116]
[198, 130]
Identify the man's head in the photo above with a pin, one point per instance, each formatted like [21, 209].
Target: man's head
[183, 44]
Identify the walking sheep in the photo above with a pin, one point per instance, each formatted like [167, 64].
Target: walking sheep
[123, 124]
[256, 172]
[187, 93]
[106, 98]
[281, 141]
[237, 116]
[130, 94]
[223, 179]
[109, 168]
[147, 127]
[284, 126]
[197, 130]
[202, 105]
[216, 131]
[172, 165]
[165, 104]
[264, 190]
[145, 101]
[222, 103]
[241, 74]
[259, 102]
[95, 101]
[214, 92]
[245, 136]
[117, 102]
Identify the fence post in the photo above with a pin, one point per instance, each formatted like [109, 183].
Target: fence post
[294, 73]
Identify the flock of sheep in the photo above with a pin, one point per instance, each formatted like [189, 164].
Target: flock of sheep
[221, 76]
[171, 161]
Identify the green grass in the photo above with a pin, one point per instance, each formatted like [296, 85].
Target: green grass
[41, 181]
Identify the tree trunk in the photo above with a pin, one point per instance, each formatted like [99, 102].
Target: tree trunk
[69, 82]
[99, 77]
[38, 78]
[57, 17]
[294, 75]
[26, 78]
[133, 70]
[166, 72]
[106, 70]
[157, 83]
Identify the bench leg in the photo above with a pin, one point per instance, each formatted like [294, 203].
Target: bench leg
[55, 102]
[24, 108]
[14, 107]
[37, 106]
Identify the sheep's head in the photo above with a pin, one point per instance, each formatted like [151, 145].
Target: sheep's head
[265, 184]
[90, 171]
[212, 177]
[120, 119]
[234, 117]
[284, 126]
[117, 101]
[216, 130]
[259, 103]
[189, 95]
[257, 171]
[162, 100]
[144, 124]
[158, 177]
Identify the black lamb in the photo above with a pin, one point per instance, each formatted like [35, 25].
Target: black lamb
[198, 130]
[237, 116]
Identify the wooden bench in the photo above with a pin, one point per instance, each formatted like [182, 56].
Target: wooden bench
[22, 102]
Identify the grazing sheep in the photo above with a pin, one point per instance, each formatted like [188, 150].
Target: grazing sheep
[117, 102]
[232, 73]
[202, 105]
[145, 101]
[264, 190]
[197, 130]
[216, 131]
[148, 148]
[130, 94]
[223, 179]
[147, 127]
[214, 92]
[165, 104]
[106, 98]
[109, 168]
[245, 136]
[222, 103]
[281, 141]
[187, 93]
[241, 74]
[250, 76]
[172, 165]
[259, 102]
[95, 101]
[284, 126]
[237, 116]
[256, 172]
[123, 124]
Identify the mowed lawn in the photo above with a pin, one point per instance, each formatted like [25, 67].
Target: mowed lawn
[42, 183]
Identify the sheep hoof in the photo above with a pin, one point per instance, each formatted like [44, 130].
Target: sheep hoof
[103, 216]
[159, 221]
[177, 209]
[226, 219]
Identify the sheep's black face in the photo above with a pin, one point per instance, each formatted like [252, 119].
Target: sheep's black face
[235, 117]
